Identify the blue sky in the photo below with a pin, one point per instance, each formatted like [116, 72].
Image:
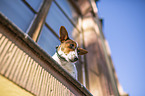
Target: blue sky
[124, 28]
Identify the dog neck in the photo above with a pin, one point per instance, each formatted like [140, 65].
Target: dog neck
[61, 60]
[60, 57]
[68, 66]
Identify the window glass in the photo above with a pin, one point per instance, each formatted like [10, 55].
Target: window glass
[56, 18]
[68, 9]
[17, 12]
[48, 41]
[35, 4]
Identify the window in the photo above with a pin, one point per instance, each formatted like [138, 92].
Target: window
[44, 29]
[48, 41]
[35, 4]
[17, 12]
[56, 18]
[24, 12]
[68, 9]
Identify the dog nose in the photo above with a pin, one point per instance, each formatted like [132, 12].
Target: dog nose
[76, 58]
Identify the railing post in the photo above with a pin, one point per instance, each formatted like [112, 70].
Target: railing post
[39, 20]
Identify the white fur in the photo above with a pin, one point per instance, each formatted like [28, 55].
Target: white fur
[72, 55]
[67, 65]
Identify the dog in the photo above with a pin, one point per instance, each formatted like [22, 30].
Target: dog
[67, 52]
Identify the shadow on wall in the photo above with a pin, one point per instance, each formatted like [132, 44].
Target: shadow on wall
[98, 80]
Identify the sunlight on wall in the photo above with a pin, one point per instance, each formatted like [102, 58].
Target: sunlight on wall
[94, 6]
[88, 26]
[7, 88]
[107, 47]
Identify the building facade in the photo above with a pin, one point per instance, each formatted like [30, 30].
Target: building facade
[29, 33]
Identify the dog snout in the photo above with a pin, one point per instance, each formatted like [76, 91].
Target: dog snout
[76, 58]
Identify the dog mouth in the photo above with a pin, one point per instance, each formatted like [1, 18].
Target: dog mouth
[72, 60]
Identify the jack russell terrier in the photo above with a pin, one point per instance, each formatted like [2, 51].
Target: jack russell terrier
[67, 53]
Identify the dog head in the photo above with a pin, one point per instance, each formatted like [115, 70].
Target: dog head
[69, 48]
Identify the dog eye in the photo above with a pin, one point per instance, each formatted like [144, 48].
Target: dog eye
[71, 45]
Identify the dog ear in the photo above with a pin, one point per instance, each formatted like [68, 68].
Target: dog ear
[63, 34]
[82, 51]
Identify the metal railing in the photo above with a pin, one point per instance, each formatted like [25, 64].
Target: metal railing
[23, 62]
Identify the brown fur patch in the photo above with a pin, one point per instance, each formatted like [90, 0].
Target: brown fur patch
[67, 46]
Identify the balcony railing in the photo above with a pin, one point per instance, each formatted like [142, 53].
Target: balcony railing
[23, 62]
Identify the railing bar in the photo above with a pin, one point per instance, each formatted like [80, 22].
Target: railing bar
[55, 89]
[41, 80]
[47, 84]
[11, 62]
[29, 75]
[1, 41]
[59, 93]
[12, 71]
[28, 71]
[17, 65]
[34, 77]
[20, 76]
[24, 72]
[21, 67]
[54, 82]
[57, 84]
[63, 90]
[5, 56]
[37, 25]
[52, 87]
[43, 84]
[2, 47]
[37, 80]
[60, 89]
[34, 67]
[7, 59]
[17, 72]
